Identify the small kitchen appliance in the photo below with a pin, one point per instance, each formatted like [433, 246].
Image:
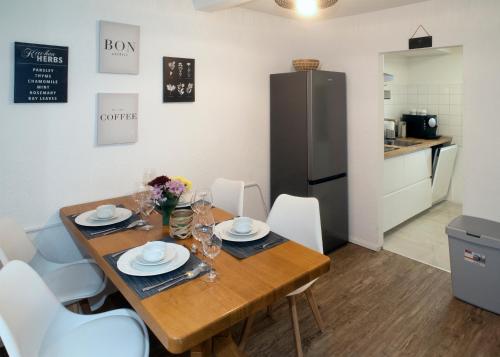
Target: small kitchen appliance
[421, 126]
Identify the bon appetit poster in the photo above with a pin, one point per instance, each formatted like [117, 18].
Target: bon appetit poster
[41, 73]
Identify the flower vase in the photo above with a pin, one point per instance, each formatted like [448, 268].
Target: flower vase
[166, 210]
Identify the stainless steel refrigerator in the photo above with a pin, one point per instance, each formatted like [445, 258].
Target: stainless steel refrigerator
[309, 145]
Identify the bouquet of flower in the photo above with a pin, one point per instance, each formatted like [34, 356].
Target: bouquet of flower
[166, 189]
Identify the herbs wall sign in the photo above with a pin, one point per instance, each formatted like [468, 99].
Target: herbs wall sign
[178, 79]
[117, 118]
[118, 48]
[40, 73]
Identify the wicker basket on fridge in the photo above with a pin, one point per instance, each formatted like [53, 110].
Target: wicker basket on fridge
[307, 64]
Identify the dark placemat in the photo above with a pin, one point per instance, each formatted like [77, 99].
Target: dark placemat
[137, 283]
[92, 232]
[242, 250]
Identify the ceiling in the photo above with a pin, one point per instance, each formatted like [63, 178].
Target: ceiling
[342, 8]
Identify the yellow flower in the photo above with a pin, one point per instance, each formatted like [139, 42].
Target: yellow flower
[187, 183]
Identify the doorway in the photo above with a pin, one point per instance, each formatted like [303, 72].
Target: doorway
[423, 178]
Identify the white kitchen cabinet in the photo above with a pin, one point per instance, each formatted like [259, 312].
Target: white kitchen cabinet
[407, 187]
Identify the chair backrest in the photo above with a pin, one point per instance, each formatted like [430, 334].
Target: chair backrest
[27, 308]
[228, 195]
[298, 219]
[14, 243]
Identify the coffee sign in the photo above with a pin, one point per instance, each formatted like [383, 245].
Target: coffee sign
[40, 73]
[118, 48]
[117, 118]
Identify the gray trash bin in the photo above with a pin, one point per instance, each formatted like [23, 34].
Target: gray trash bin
[475, 261]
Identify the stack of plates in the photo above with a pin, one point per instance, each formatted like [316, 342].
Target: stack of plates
[225, 231]
[90, 219]
[132, 263]
[184, 200]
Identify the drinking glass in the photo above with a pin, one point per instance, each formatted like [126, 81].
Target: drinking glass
[211, 248]
[201, 201]
[144, 200]
[202, 228]
[181, 221]
[148, 175]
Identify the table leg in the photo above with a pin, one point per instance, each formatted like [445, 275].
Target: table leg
[224, 346]
[202, 350]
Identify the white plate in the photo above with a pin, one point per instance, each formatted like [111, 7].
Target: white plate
[85, 219]
[222, 231]
[185, 200]
[127, 263]
[169, 255]
[183, 204]
[94, 217]
[252, 231]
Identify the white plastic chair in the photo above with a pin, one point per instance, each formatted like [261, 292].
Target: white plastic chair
[228, 195]
[70, 282]
[33, 323]
[298, 219]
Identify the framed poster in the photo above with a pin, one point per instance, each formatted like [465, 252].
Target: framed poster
[117, 117]
[40, 73]
[178, 79]
[118, 48]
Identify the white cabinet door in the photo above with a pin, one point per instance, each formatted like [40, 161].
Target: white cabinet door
[405, 170]
[394, 177]
[406, 203]
[418, 166]
[444, 171]
[407, 187]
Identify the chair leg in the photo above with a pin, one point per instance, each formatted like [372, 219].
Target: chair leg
[295, 323]
[314, 307]
[247, 327]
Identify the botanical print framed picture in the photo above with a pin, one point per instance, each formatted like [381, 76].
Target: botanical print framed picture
[178, 79]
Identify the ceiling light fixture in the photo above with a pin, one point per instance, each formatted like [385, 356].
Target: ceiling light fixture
[305, 7]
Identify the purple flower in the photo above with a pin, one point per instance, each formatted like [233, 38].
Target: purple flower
[157, 192]
[176, 188]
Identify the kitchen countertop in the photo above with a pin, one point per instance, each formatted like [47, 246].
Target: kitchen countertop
[423, 144]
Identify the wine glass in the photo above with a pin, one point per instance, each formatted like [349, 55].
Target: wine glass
[211, 248]
[148, 175]
[201, 201]
[143, 199]
[202, 228]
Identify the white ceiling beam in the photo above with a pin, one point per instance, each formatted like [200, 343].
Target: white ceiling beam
[215, 5]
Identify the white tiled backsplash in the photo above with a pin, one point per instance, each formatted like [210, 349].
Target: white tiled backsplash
[444, 100]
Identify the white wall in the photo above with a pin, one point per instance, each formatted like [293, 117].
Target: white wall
[397, 105]
[435, 83]
[354, 46]
[49, 158]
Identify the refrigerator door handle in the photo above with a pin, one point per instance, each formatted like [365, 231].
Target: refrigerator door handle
[326, 179]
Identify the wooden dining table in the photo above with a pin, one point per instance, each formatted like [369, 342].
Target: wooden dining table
[197, 315]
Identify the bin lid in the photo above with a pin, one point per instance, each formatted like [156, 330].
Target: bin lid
[474, 229]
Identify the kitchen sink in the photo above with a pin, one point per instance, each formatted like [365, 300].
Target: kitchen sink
[397, 142]
[388, 148]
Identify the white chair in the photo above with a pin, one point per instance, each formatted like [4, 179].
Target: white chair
[70, 282]
[298, 219]
[33, 323]
[228, 195]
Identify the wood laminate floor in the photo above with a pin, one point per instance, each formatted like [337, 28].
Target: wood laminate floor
[375, 304]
